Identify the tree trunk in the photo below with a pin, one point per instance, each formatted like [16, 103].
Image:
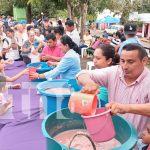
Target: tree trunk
[83, 10]
[70, 9]
[29, 13]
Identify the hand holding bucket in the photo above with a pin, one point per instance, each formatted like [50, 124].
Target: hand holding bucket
[84, 104]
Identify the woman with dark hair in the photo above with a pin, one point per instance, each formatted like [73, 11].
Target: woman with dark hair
[69, 65]
[104, 56]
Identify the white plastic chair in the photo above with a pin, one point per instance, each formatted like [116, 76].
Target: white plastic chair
[89, 65]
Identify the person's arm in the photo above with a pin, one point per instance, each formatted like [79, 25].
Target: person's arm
[26, 47]
[89, 86]
[54, 58]
[140, 109]
[50, 58]
[39, 47]
[34, 75]
[14, 78]
[63, 66]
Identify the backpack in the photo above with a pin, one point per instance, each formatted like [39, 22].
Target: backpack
[5, 40]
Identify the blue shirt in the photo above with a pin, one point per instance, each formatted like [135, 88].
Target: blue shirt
[128, 41]
[68, 67]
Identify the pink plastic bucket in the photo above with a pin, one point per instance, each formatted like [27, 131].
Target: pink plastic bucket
[100, 125]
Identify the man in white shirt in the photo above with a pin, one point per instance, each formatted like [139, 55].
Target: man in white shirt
[10, 46]
[72, 32]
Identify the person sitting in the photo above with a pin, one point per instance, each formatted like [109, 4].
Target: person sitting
[52, 51]
[99, 40]
[28, 47]
[116, 39]
[87, 39]
[10, 46]
[68, 66]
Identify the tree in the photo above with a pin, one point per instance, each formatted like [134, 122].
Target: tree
[24, 4]
[123, 7]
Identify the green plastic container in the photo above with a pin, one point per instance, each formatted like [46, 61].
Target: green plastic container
[63, 120]
[103, 96]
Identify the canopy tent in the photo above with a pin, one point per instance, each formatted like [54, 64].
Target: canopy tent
[108, 20]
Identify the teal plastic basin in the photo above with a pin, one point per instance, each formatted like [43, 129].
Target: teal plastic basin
[44, 68]
[53, 101]
[63, 120]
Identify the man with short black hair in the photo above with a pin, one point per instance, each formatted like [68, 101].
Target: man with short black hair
[52, 51]
[128, 85]
[10, 46]
[72, 32]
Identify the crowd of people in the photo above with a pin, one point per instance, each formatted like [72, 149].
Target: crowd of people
[120, 61]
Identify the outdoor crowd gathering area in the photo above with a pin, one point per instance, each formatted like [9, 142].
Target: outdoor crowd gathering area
[59, 91]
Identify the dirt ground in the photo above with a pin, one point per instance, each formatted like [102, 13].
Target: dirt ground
[84, 61]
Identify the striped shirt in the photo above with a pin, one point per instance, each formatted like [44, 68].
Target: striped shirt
[136, 93]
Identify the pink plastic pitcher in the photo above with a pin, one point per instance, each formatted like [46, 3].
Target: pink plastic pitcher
[82, 103]
[100, 125]
[31, 69]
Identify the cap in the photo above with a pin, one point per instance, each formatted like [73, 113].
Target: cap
[23, 22]
[130, 28]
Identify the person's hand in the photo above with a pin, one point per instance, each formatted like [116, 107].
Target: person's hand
[33, 75]
[45, 57]
[9, 61]
[90, 88]
[117, 108]
[34, 52]
[50, 63]
[16, 86]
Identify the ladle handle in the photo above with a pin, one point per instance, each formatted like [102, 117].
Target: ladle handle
[82, 134]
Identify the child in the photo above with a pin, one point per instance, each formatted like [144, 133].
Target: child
[5, 105]
[14, 78]
[143, 143]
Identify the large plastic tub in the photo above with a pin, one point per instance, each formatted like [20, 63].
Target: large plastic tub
[63, 120]
[54, 101]
[44, 67]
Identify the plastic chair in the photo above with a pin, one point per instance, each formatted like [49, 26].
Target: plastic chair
[89, 65]
[83, 50]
